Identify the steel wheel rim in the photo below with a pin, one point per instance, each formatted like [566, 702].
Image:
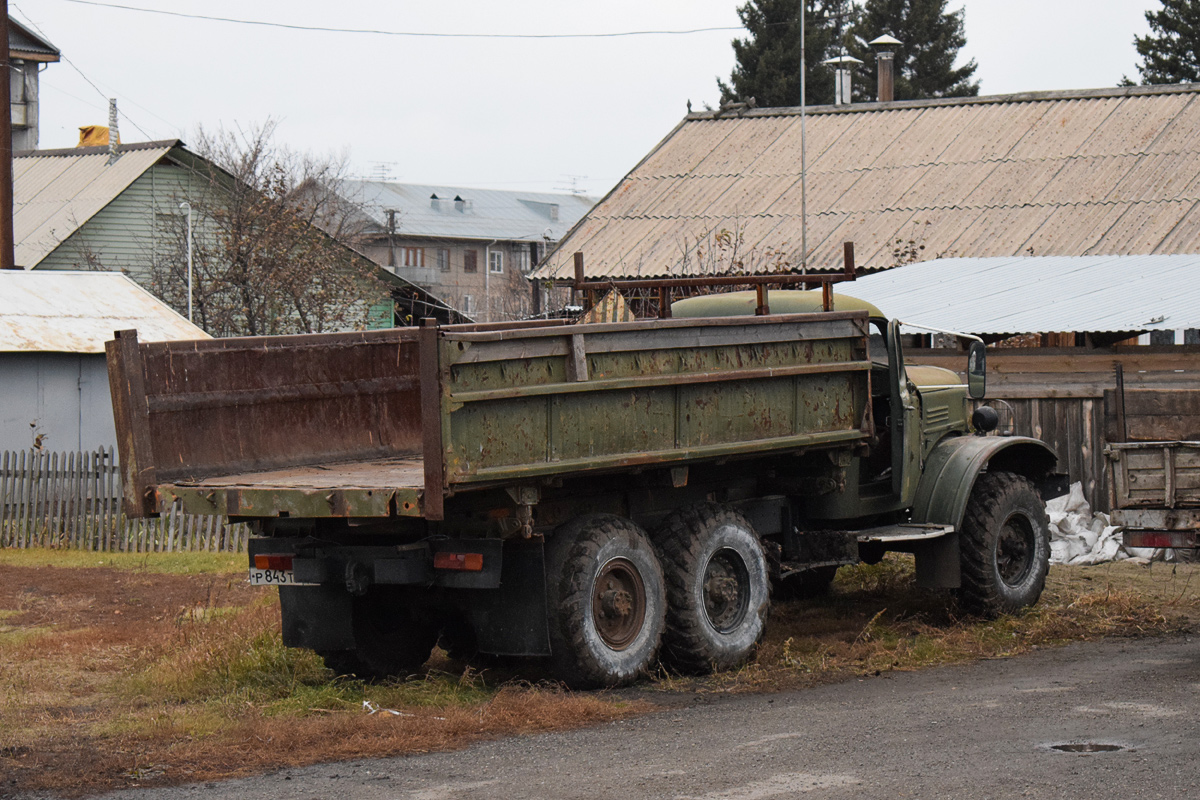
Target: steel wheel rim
[726, 590]
[618, 603]
[1015, 549]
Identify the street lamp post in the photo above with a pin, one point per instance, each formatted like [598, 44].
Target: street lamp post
[187, 208]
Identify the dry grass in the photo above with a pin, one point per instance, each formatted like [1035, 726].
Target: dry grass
[876, 620]
[136, 673]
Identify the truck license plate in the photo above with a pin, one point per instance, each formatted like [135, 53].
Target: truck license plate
[272, 577]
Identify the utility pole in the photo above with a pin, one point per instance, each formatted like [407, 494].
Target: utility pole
[803, 154]
[7, 260]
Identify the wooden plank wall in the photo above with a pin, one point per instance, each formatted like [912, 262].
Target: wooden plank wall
[1067, 397]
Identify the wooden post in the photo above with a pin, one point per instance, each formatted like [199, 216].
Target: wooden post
[1119, 398]
[580, 277]
[431, 421]
[127, 383]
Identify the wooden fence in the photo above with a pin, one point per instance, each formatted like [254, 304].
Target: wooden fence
[74, 500]
[1071, 399]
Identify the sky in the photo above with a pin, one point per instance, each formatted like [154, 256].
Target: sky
[544, 114]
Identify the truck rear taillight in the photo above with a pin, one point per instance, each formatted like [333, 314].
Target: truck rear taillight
[273, 561]
[1162, 539]
[465, 562]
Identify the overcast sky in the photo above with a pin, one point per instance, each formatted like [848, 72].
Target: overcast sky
[532, 114]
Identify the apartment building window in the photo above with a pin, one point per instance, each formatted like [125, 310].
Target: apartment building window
[496, 262]
[443, 259]
[521, 259]
[414, 256]
[470, 260]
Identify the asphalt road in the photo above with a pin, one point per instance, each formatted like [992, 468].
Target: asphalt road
[985, 730]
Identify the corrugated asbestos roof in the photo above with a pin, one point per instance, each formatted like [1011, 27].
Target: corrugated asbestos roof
[482, 214]
[56, 191]
[1055, 173]
[1012, 295]
[59, 311]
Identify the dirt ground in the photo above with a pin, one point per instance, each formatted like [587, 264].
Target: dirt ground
[115, 677]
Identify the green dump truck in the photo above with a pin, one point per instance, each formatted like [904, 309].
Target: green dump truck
[600, 496]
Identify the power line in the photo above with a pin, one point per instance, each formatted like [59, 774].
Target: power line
[421, 34]
[77, 69]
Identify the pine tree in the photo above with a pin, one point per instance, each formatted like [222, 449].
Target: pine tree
[930, 39]
[1169, 54]
[768, 60]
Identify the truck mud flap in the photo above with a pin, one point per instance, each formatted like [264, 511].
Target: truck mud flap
[317, 617]
[511, 619]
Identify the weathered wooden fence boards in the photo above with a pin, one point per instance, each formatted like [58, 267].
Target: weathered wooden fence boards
[74, 500]
[1068, 398]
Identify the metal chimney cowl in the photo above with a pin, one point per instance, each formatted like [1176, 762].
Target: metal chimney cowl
[885, 66]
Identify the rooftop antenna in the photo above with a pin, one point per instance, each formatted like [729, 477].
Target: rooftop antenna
[573, 184]
[381, 170]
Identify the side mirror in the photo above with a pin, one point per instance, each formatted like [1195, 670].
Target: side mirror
[977, 370]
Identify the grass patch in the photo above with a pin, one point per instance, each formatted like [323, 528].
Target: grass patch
[165, 563]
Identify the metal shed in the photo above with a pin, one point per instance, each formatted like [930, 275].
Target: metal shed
[53, 379]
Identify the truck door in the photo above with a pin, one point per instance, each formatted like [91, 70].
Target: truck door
[906, 432]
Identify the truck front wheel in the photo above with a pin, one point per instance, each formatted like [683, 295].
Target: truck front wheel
[718, 594]
[1004, 545]
[605, 595]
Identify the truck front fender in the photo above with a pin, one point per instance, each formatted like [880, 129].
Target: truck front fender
[945, 489]
[955, 463]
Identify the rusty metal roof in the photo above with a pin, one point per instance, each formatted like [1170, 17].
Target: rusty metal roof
[1040, 294]
[59, 311]
[1103, 172]
[56, 191]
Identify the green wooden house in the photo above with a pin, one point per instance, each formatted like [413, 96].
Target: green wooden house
[125, 210]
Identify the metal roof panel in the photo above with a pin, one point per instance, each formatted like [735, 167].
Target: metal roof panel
[1013, 295]
[77, 312]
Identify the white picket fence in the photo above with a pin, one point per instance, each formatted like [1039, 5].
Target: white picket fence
[74, 500]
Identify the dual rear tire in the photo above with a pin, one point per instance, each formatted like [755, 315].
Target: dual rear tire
[697, 587]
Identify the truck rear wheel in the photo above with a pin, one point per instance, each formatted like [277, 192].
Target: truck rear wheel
[606, 601]
[718, 591]
[1004, 545]
[390, 641]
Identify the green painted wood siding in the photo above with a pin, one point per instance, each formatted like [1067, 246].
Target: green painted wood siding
[134, 231]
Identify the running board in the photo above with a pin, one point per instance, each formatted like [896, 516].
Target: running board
[906, 532]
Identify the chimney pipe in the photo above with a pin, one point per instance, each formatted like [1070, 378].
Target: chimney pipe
[887, 83]
[885, 66]
[114, 136]
[842, 66]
